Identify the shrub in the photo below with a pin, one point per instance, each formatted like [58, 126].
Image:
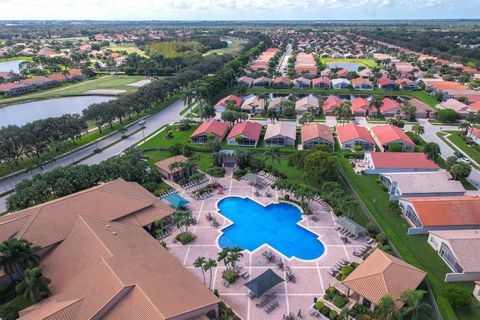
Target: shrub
[339, 301]
[184, 125]
[333, 315]
[458, 297]
[372, 228]
[319, 305]
[216, 172]
[237, 174]
[185, 237]
[325, 310]
[230, 276]
[346, 270]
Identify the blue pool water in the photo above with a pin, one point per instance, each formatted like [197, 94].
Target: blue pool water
[276, 225]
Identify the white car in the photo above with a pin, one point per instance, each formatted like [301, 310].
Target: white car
[465, 160]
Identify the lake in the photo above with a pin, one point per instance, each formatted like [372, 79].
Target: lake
[20, 114]
[346, 66]
[8, 66]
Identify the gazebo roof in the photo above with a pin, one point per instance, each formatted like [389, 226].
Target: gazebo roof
[350, 225]
[263, 283]
[251, 178]
[176, 200]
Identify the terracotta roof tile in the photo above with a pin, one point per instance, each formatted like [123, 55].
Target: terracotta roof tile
[351, 132]
[315, 130]
[214, 127]
[248, 129]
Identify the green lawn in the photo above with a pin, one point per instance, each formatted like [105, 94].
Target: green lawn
[160, 140]
[117, 82]
[126, 48]
[421, 144]
[15, 58]
[457, 140]
[367, 62]
[414, 249]
[235, 47]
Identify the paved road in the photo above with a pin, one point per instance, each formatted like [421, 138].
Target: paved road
[282, 67]
[166, 116]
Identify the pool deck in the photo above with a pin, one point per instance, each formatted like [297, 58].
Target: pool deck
[312, 278]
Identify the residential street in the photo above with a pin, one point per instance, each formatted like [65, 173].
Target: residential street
[282, 67]
[168, 115]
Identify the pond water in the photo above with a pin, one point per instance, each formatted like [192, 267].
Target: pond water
[346, 66]
[20, 114]
[7, 66]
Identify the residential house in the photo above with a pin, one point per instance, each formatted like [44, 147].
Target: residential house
[352, 135]
[210, 129]
[391, 162]
[165, 169]
[386, 83]
[325, 73]
[460, 107]
[343, 73]
[253, 105]
[281, 82]
[456, 248]
[276, 104]
[421, 184]
[406, 84]
[313, 134]
[245, 82]
[305, 104]
[379, 275]
[386, 135]
[301, 83]
[362, 84]
[340, 83]
[475, 135]
[262, 82]
[365, 73]
[14, 89]
[280, 134]
[360, 107]
[390, 107]
[221, 105]
[329, 104]
[423, 110]
[245, 134]
[321, 83]
[441, 213]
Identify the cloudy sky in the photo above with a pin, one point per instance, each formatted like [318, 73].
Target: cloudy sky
[238, 9]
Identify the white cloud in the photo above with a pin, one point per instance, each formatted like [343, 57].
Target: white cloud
[236, 9]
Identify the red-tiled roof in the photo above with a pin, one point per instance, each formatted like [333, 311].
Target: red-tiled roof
[343, 72]
[476, 132]
[215, 127]
[248, 129]
[447, 211]
[320, 80]
[360, 80]
[384, 81]
[386, 134]
[403, 81]
[404, 160]
[359, 105]
[352, 131]
[10, 86]
[315, 130]
[331, 102]
[389, 104]
[281, 79]
[237, 100]
[475, 105]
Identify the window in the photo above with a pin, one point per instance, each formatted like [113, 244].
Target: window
[448, 256]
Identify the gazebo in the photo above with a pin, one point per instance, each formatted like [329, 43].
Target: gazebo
[350, 225]
[263, 283]
[176, 200]
[252, 178]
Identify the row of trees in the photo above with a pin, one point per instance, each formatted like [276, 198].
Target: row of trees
[66, 180]
[37, 137]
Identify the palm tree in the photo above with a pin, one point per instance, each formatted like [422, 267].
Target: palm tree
[394, 207]
[418, 129]
[209, 265]
[188, 95]
[17, 255]
[432, 151]
[377, 103]
[272, 115]
[235, 255]
[415, 308]
[273, 153]
[223, 256]
[200, 263]
[349, 205]
[183, 220]
[200, 94]
[466, 125]
[34, 286]
[387, 309]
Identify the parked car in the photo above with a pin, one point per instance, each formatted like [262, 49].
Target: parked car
[459, 155]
